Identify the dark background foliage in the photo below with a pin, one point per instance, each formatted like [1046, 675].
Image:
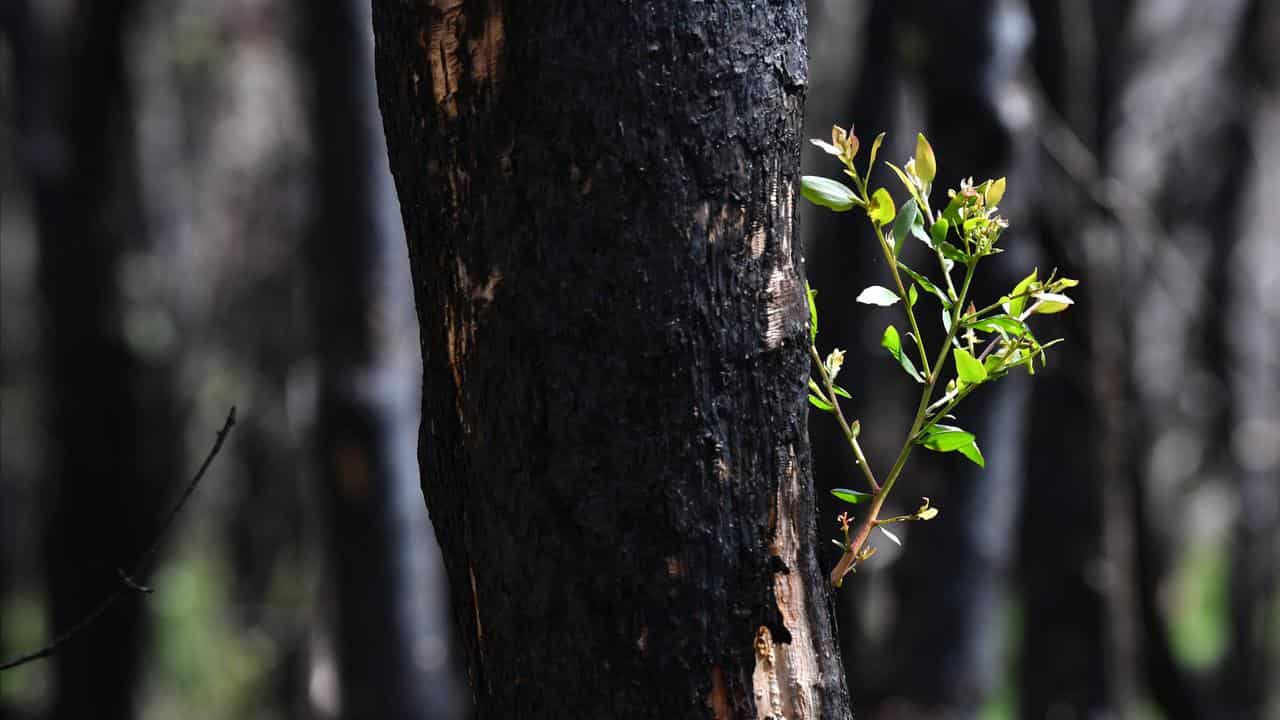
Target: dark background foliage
[197, 213]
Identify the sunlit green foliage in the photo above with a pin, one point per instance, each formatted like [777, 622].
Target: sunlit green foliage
[980, 345]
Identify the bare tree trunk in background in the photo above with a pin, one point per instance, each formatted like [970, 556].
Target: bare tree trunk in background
[393, 640]
[114, 425]
[1250, 679]
[1072, 572]
[1150, 216]
[599, 201]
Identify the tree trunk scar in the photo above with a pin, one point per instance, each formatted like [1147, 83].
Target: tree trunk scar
[780, 304]
[787, 226]
[760, 233]
[461, 326]
[449, 41]
[764, 679]
[797, 675]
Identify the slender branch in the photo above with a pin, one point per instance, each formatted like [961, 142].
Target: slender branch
[902, 293]
[829, 386]
[129, 582]
[854, 547]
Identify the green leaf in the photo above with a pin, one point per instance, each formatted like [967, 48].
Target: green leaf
[1001, 323]
[875, 148]
[951, 252]
[926, 165]
[828, 193]
[906, 181]
[1017, 304]
[878, 295]
[946, 438]
[813, 311]
[967, 367]
[853, 497]
[972, 452]
[952, 213]
[912, 295]
[880, 209]
[893, 343]
[995, 192]
[908, 214]
[841, 392]
[972, 223]
[917, 229]
[1051, 303]
[821, 404]
[927, 284]
[938, 232]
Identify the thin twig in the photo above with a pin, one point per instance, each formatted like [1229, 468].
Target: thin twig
[853, 549]
[829, 388]
[129, 582]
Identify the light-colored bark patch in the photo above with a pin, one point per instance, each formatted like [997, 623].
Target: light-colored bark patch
[758, 237]
[795, 663]
[764, 678]
[449, 39]
[781, 296]
[787, 226]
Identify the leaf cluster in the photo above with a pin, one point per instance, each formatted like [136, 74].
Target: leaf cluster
[984, 344]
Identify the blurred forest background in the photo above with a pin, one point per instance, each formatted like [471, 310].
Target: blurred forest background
[197, 213]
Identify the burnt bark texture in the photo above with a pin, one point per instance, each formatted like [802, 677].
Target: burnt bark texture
[599, 204]
[392, 635]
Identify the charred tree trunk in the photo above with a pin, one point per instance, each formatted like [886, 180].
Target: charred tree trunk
[392, 635]
[599, 200]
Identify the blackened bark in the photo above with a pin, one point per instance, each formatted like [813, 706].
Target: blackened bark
[599, 199]
[391, 609]
[112, 418]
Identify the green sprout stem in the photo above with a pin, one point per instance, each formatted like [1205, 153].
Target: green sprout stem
[828, 386]
[972, 213]
[902, 293]
[854, 547]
